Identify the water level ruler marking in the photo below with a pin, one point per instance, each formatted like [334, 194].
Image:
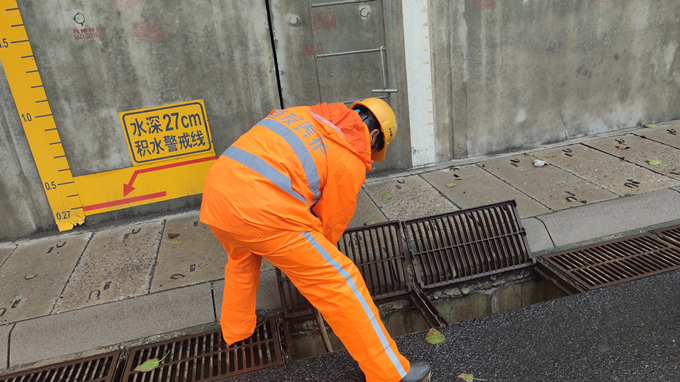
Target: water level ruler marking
[36, 118]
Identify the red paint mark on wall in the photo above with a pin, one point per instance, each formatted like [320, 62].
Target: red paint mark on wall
[308, 49]
[147, 32]
[324, 20]
[80, 34]
[126, 4]
[480, 5]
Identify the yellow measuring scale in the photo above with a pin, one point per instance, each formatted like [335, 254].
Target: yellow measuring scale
[35, 114]
[170, 145]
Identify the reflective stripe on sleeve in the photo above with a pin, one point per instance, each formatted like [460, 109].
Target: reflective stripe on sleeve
[362, 301]
[313, 180]
[263, 168]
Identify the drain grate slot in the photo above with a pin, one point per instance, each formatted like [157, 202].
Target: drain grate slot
[467, 244]
[615, 261]
[377, 251]
[98, 368]
[206, 357]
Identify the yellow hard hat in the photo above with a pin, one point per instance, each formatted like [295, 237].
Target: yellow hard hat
[385, 116]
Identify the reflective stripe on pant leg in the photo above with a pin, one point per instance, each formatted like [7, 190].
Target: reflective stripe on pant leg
[348, 279]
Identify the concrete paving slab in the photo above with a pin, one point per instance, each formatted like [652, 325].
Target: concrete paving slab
[475, 187]
[51, 259]
[537, 235]
[640, 150]
[607, 170]
[195, 257]
[4, 345]
[80, 330]
[407, 198]
[668, 134]
[612, 217]
[549, 185]
[366, 212]
[6, 249]
[267, 292]
[117, 264]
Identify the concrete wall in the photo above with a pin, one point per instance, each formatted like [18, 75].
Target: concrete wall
[216, 50]
[514, 74]
[487, 76]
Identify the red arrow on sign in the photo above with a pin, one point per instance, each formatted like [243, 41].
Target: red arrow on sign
[127, 187]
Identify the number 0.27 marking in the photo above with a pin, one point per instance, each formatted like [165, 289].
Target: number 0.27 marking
[63, 215]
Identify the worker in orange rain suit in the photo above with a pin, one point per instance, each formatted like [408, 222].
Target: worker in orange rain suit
[286, 190]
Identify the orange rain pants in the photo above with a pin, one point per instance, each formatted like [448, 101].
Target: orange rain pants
[327, 278]
[285, 191]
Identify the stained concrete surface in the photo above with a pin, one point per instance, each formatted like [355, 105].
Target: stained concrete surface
[51, 260]
[642, 149]
[475, 187]
[6, 249]
[606, 170]
[612, 217]
[667, 133]
[193, 257]
[109, 324]
[267, 292]
[548, 184]
[366, 211]
[117, 264]
[5, 330]
[407, 198]
[628, 332]
[537, 235]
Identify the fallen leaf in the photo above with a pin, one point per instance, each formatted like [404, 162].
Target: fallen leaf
[529, 154]
[172, 235]
[456, 177]
[451, 185]
[466, 377]
[548, 156]
[388, 196]
[174, 242]
[150, 364]
[434, 336]
[369, 223]
[650, 126]
[622, 147]
[28, 277]
[653, 162]
[675, 172]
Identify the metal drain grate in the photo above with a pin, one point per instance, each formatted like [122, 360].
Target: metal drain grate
[98, 368]
[206, 357]
[615, 262]
[467, 244]
[378, 252]
[670, 234]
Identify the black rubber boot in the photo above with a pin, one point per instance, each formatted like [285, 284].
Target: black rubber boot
[420, 372]
[261, 317]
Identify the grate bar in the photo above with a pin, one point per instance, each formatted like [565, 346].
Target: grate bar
[467, 244]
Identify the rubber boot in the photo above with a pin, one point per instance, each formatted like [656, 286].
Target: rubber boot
[261, 317]
[419, 372]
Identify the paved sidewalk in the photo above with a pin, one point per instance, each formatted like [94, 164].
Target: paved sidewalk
[102, 288]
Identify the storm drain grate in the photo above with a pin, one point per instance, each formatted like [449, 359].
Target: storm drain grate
[670, 234]
[467, 244]
[206, 357]
[378, 252]
[615, 262]
[100, 368]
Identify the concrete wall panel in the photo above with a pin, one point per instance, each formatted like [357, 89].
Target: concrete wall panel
[152, 53]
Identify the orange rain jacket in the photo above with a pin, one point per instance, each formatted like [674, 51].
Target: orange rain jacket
[339, 154]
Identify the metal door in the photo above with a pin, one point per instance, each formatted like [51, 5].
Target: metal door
[330, 51]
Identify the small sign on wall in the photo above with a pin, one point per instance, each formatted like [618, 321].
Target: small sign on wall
[170, 131]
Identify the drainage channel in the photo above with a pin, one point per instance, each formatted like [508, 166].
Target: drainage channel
[421, 273]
